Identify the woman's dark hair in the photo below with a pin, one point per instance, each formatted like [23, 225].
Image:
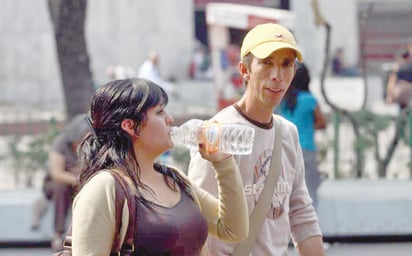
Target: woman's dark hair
[300, 82]
[108, 146]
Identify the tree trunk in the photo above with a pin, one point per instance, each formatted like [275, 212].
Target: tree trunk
[320, 21]
[68, 19]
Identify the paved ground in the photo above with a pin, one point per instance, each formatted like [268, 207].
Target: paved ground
[367, 249]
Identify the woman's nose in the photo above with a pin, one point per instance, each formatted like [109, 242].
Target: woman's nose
[169, 119]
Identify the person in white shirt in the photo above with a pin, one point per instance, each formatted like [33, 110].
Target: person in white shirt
[150, 70]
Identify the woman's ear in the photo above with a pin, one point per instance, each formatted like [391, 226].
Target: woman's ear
[128, 126]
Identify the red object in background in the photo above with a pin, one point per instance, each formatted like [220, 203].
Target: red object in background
[237, 80]
[222, 103]
[256, 20]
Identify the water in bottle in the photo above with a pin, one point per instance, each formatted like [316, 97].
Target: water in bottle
[236, 139]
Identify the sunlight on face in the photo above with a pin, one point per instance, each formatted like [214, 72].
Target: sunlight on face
[155, 132]
[269, 78]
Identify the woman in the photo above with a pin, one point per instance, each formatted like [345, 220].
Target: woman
[301, 108]
[130, 130]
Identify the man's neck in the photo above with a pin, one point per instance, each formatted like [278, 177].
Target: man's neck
[262, 118]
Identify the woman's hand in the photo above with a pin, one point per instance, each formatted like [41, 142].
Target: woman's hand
[213, 157]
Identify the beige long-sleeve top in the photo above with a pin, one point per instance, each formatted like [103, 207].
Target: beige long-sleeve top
[291, 213]
[93, 224]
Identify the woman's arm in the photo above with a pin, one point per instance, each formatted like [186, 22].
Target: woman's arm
[228, 217]
[57, 163]
[320, 121]
[390, 87]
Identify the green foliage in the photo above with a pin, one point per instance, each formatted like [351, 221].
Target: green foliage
[370, 125]
[362, 143]
[323, 148]
[28, 154]
[371, 121]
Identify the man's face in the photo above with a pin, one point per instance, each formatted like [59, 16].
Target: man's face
[268, 79]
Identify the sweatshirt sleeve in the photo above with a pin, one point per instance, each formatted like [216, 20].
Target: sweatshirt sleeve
[93, 221]
[303, 219]
[227, 216]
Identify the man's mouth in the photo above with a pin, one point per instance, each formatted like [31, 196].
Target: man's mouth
[275, 90]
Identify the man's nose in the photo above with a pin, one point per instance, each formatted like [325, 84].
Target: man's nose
[276, 74]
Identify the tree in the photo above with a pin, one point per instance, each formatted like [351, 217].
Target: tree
[68, 19]
[366, 125]
[321, 21]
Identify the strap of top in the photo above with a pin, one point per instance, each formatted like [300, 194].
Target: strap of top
[122, 193]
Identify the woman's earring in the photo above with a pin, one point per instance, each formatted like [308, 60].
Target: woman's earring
[138, 131]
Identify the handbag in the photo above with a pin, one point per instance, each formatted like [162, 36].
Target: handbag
[262, 206]
[118, 248]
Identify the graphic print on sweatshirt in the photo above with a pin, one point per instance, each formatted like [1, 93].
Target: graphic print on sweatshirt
[261, 169]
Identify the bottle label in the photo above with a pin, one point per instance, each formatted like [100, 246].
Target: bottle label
[211, 132]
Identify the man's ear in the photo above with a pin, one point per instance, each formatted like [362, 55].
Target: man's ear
[128, 126]
[243, 70]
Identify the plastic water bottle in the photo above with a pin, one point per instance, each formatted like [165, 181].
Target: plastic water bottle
[235, 139]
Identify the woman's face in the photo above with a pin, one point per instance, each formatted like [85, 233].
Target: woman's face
[155, 131]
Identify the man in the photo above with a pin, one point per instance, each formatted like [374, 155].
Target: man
[62, 158]
[267, 65]
[339, 67]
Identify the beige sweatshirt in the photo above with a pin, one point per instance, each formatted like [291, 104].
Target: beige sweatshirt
[93, 223]
[291, 213]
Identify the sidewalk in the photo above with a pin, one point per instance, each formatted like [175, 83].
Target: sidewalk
[350, 249]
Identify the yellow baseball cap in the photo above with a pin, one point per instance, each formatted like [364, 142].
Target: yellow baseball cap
[266, 38]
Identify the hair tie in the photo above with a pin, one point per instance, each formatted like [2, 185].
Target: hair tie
[90, 124]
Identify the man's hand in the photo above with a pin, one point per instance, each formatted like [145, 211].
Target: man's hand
[312, 246]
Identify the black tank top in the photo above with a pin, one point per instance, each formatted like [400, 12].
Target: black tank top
[180, 230]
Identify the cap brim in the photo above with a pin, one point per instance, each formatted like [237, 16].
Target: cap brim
[264, 50]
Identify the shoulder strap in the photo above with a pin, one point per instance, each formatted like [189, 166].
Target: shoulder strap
[121, 193]
[262, 206]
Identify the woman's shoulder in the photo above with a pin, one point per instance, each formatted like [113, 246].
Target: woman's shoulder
[306, 94]
[102, 177]
[98, 195]
[307, 98]
[101, 182]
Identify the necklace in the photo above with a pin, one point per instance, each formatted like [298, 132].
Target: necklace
[268, 125]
